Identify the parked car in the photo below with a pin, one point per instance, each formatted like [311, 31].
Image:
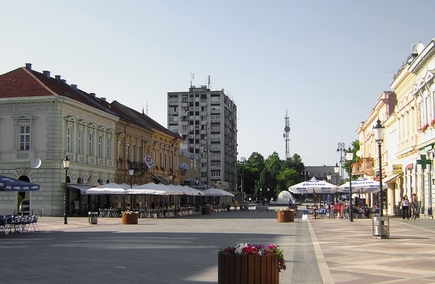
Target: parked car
[24, 207]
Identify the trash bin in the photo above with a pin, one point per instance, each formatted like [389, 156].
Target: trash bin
[93, 218]
[381, 227]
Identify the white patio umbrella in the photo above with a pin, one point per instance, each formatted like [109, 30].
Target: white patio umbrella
[361, 185]
[190, 190]
[152, 189]
[217, 192]
[108, 188]
[313, 186]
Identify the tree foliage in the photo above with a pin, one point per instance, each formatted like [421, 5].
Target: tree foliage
[266, 178]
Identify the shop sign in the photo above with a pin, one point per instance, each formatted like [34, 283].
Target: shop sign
[397, 169]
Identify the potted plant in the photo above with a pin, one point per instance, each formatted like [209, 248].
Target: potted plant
[286, 214]
[246, 263]
[129, 217]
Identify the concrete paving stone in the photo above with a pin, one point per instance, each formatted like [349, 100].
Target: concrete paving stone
[185, 249]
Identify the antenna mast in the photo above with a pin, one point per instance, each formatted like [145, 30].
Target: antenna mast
[191, 78]
[287, 135]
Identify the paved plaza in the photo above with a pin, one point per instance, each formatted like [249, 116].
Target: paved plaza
[184, 249]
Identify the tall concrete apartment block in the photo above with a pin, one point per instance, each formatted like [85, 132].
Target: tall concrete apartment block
[207, 120]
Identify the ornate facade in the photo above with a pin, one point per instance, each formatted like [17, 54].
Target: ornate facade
[45, 118]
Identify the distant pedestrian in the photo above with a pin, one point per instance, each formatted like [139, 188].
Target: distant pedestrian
[76, 206]
[236, 203]
[289, 202]
[404, 205]
[414, 206]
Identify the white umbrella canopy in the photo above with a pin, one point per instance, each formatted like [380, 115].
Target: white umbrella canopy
[190, 190]
[217, 192]
[313, 186]
[108, 188]
[154, 189]
[361, 185]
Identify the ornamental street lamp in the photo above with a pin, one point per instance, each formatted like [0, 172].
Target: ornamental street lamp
[341, 148]
[131, 173]
[379, 130]
[65, 194]
[336, 170]
[349, 158]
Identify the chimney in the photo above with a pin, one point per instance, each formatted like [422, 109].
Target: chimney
[92, 94]
[29, 66]
[46, 73]
[103, 98]
[74, 86]
[57, 77]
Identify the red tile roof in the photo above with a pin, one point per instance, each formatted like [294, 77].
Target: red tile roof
[24, 82]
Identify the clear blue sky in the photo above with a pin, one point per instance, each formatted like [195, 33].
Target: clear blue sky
[326, 62]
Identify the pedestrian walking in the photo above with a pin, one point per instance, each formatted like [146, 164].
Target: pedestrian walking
[414, 206]
[76, 206]
[404, 205]
[236, 203]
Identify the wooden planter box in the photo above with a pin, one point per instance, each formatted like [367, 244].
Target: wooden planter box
[285, 216]
[129, 218]
[247, 269]
[206, 210]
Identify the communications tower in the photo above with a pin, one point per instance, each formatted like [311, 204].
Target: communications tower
[286, 135]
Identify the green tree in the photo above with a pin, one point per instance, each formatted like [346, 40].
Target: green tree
[354, 149]
[266, 178]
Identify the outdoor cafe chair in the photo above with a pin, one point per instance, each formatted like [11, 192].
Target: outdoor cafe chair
[322, 212]
[34, 223]
[3, 224]
[11, 223]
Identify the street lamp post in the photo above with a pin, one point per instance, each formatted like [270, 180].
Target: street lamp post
[131, 173]
[336, 170]
[328, 179]
[65, 194]
[170, 178]
[379, 138]
[341, 148]
[243, 160]
[349, 157]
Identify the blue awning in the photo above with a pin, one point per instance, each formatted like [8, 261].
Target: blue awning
[12, 184]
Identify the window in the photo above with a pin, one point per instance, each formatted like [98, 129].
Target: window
[80, 142]
[68, 139]
[215, 173]
[91, 144]
[109, 148]
[100, 146]
[25, 138]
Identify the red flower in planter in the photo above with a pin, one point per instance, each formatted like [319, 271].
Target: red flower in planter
[260, 250]
[424, 127]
